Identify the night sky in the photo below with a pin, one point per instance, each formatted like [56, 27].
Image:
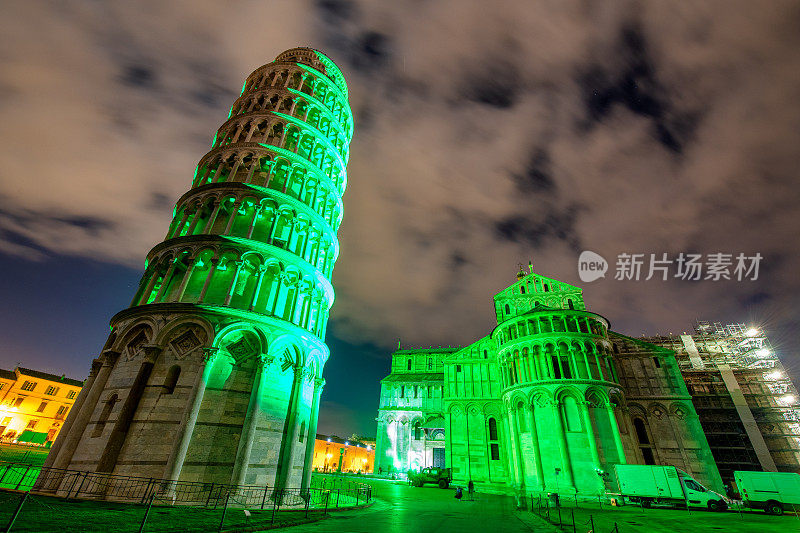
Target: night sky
[487, 134]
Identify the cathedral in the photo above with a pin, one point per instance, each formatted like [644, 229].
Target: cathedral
[214, 372]
[542, 403]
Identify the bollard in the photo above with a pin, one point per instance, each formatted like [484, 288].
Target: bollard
[147, 512]
[16, 512]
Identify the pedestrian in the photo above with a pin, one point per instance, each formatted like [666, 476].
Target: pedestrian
[471, 490]
[459, 493]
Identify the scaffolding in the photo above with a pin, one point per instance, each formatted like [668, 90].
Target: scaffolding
[721, 362]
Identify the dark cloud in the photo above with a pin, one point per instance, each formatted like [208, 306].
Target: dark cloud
[140, 76]
[537, 176]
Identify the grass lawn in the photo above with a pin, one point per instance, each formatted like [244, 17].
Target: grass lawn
[42, 513]
[18, 453]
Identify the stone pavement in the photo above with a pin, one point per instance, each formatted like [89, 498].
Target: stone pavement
[401, 508]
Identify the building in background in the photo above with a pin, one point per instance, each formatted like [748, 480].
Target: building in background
[748, 406]
[34, 405]
[334, 454]
[549, 401]
[214, 373]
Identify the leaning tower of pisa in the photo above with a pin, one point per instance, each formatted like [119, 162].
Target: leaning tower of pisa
[214, 373]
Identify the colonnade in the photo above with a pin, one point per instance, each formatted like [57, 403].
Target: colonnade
[221, 277]
[541, 323]
[295, 77]
[563, 358]
[279, 174]
[242, 162]
[264, 221]
[258, 107]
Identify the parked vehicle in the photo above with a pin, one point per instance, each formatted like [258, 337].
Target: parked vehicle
[772, 491]
[432, 474]
[650, 484]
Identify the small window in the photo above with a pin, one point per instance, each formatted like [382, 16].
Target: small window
[641, 432]
[51, 391]
[31, 424]
[71, 395]
[522, 289]
[402, 391]
[18, 402]
[657, 362]
[417, 431]
[485, 354]
[408, 366]
[494, 450]
[430, 363]
[570, 304]
[508, 309]
[546, 288]
[416, 391]
[41, 407]
[62, 410]
[458, 368]
[29, 385]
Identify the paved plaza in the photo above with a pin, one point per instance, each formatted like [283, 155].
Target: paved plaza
[401, 508]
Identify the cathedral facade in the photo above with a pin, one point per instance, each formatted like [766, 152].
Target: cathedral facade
[540, 403]
[214, 373]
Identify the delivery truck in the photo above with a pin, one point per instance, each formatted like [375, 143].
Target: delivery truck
[774, 492]
[649, 484]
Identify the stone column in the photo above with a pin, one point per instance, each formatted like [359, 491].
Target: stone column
[537, 452]
[82, 419]
[515, 451]
[566, 465]
[308, 466]
[213, 217]
[165, 281]
[211, 270]
[249, 427]
[74, 413]
[178, 455]
[287, 449]
[587, 424]
[108, 459]
[615, 430]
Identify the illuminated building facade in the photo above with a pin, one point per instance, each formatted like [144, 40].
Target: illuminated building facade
[539, 404]
[334, 454]
[214, 373]
[34, 405]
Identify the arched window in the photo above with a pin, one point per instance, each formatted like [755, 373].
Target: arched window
[107, 408]
[508, 309]
[570, 304]
[546, 288]
[641, 431]
[494, 446]
[417, 431]
[302, 431]
[522, 289]
[171, 380]
[492, 429]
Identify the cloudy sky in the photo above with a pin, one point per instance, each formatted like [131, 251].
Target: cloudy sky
[487, 134]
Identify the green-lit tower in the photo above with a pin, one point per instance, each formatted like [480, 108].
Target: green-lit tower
[559, 387]
[214, 372]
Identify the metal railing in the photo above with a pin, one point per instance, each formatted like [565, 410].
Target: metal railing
[79, 484]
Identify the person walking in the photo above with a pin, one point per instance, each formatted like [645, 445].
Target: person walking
[471, 490]
[459, 493]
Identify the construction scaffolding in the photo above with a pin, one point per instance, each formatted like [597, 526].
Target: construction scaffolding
[748, 405]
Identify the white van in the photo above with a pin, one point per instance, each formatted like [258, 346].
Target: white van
[772, 491]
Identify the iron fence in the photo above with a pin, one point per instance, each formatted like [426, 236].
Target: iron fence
[79, 484]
